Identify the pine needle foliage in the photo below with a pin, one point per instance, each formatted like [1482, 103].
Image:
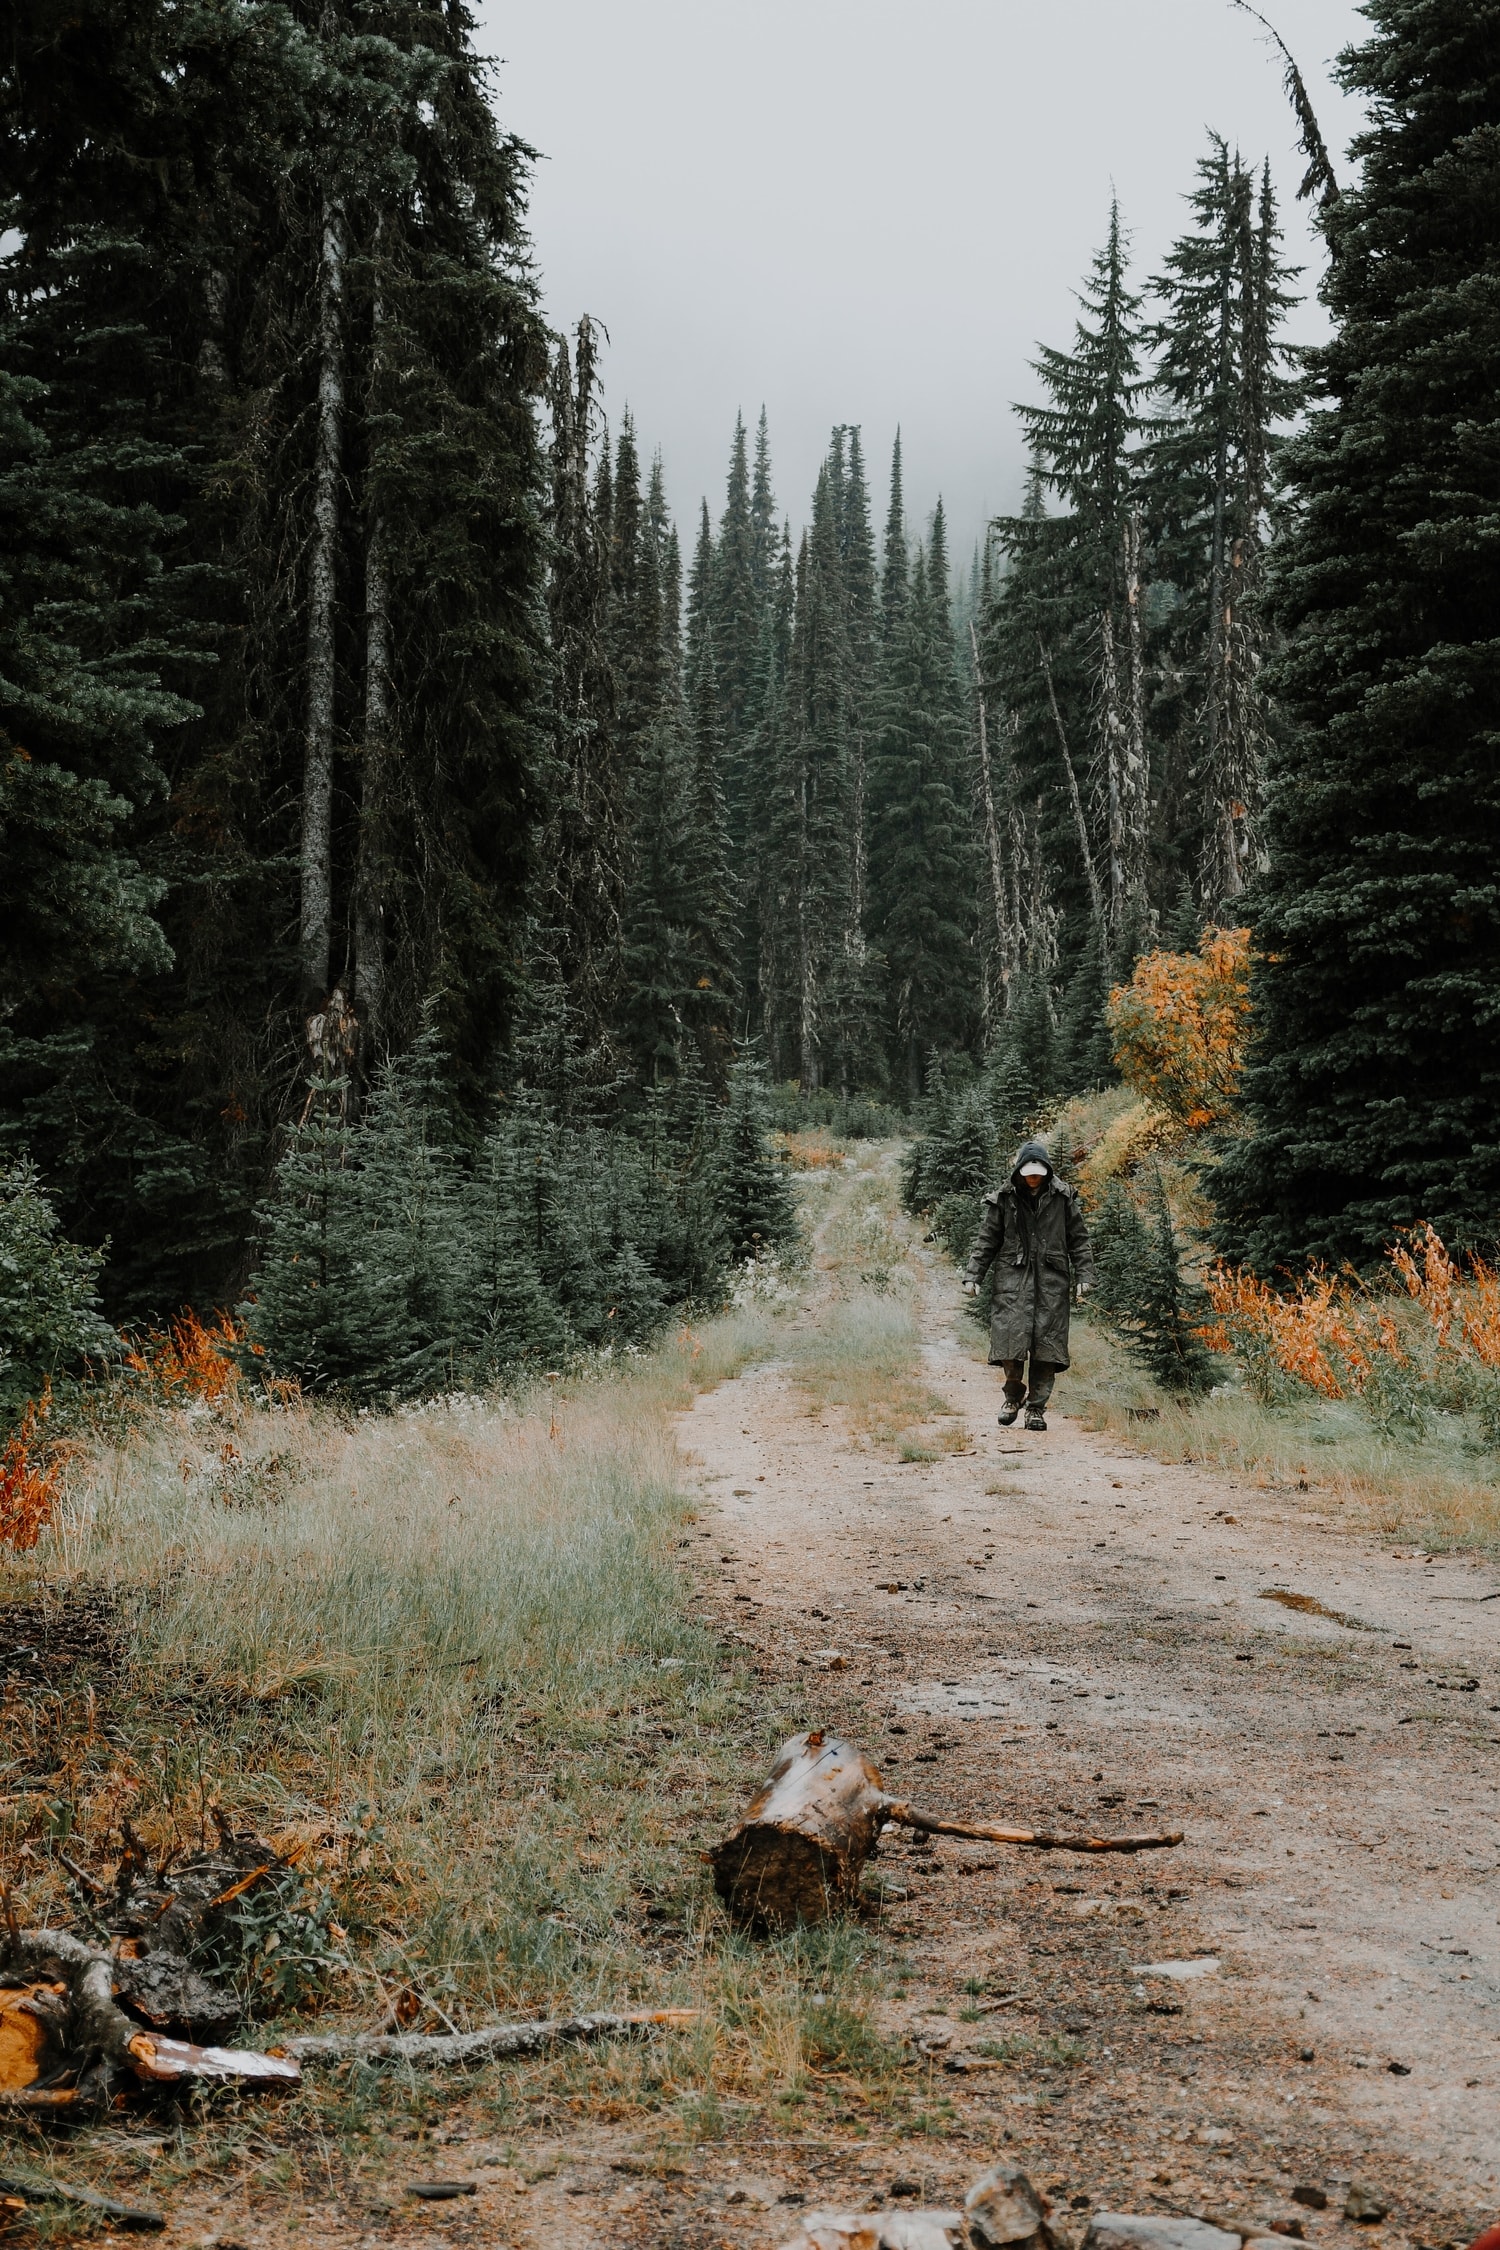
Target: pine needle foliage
[1141, 1290]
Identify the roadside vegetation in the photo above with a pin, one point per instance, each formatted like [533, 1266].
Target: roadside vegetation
[449, 1655]
[1379, 1389]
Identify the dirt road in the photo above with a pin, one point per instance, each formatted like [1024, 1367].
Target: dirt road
[1048, 1625]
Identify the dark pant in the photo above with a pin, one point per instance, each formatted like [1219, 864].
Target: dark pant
[1043, 1376]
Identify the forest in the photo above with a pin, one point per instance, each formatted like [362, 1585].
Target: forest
[510, 998]
[431, 871]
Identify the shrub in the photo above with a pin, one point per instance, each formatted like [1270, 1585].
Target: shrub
[48, 1323]
[1179, 1027]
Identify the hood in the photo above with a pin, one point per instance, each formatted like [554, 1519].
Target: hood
[1031, 1152]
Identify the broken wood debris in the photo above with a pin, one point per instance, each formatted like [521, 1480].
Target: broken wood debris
[37, 2188]
[479, 2046]
[800, 1848]
[77, 2017]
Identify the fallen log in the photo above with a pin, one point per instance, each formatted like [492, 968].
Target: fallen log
[800, 1848]
[479, 2046]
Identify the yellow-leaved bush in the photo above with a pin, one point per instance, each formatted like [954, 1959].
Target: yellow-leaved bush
[1179, 1028]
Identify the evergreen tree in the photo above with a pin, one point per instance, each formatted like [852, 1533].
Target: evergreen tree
[1223, 375]
[1142, 1292]
[734, 599]
[49, 1322]
[1085, 586]
[1375, 1076]
[755, 1193]
[894, 559]
[921, 877]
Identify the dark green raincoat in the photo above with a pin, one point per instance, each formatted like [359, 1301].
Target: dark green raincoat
[1031, 1242]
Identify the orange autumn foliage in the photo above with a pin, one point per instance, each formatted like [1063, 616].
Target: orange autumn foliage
[30, 1478]
[1462, 1307]
[1179, 1027]
[1328, 1332]
[1323, 1333]
[190, 1361]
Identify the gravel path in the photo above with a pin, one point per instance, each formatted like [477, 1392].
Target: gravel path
[1047, 1624]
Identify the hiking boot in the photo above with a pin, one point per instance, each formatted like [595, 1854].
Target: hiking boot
[1035, 1418]
[1008, 1415]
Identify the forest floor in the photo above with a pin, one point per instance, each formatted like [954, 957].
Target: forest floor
[1017, 1626]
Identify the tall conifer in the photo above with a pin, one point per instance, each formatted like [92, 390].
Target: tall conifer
[1375, 1078]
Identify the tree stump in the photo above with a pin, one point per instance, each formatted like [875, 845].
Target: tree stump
[799, 1849]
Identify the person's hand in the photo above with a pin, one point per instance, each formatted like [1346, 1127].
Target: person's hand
[971, 1289]
[1083, 1289]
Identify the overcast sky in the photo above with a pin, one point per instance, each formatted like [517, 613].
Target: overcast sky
[870, 210]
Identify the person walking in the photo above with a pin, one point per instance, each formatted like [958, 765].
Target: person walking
[1030, 1230]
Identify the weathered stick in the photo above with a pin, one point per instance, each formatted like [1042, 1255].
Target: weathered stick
[42, 2190]
[800, 1848]
[478, 2046]
[1038, 1839]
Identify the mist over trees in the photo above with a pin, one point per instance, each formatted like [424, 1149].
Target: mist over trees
[385, 770]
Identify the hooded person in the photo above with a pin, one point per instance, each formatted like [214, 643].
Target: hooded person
[1031, 1231]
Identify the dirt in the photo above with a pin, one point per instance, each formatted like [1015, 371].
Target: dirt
[1049, 1627]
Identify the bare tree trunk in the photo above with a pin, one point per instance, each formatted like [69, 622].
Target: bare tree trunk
[1086, 850]
[1112, 733]
[1137, 779]
[370, 870]
[317, 771]
[369, 899]
[1222, 869]
[1006, 947]
[807, 980]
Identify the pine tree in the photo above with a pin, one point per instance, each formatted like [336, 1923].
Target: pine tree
[754, 1192]
[1223, 375]
[894, 560]
[734, 600]
[1142, 1292]
[921, 877]
[1376, 1072]
[711, 891]
[1088, 586]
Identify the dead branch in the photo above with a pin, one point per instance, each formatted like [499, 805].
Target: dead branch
[94, 2039]
[480, 2046]
[1036, 1839]
[1319, 177]
[38, 2189]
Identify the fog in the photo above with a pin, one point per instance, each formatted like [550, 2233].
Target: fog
[871, 212]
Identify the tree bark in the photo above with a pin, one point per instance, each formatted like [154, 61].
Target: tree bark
[1096, 895]
[1137, 773]
[370, 871]
[322, 592]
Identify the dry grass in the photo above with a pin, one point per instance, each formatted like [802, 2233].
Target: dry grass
[1440, 1489]
[457, 1646]
[862, 1357]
